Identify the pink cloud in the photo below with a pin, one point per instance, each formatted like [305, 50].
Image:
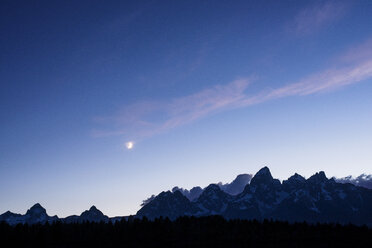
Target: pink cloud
[145, 119]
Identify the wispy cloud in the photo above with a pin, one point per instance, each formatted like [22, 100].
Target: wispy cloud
[315, 17]
[145, 119]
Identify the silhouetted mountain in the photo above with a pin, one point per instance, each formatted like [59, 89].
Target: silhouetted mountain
[91, 215]
[213, 201]
[36, 214]
[296, 199]
[236, 186]
[170, 204]
[191, 194]
[233, 188]
[316, 199]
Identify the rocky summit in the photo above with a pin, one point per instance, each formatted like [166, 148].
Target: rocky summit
[36, 214]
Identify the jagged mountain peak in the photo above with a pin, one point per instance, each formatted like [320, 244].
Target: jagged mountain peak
[93, 208]
[212, 187]
[263, 176]
[294, 182]
[237, 185]
[91, 215]
[166, 193]
[213, 191]
[191, 194]
[241, 176]
[8, 214]
[264, 171]
[318, 177]
[363, 180]
[94, 215]
[296, 178]
[178, 194]
[197, 188]
[194, 193]
[37, 214]
[36, 209]
[213, 200]
[167, 204]
[234, 188]
[37, 205]
[296, 199]
[242, 179]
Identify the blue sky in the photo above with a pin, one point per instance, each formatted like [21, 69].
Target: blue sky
[204, 90]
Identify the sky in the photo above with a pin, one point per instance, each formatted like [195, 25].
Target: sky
[201, 91]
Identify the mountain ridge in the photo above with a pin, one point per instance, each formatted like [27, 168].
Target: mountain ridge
[251, 197]
[37, 214]
[316, 199]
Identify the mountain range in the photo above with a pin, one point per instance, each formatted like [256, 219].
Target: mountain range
[233, 188]
[316, 199]
[38, 214]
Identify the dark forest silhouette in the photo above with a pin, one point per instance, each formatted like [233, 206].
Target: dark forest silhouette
[211, 231]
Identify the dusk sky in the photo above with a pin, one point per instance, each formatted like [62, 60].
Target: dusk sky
[201, 91]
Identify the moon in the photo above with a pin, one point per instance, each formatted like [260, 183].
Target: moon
[129, 145]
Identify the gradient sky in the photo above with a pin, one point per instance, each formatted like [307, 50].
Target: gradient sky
[206, 90]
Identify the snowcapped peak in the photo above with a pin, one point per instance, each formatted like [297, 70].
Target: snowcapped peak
[364, 180]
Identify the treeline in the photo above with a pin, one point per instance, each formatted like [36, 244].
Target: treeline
[212, 231]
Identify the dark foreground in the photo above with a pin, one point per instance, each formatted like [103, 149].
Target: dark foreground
[213, 231]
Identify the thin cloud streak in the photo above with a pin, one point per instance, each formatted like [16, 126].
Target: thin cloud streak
[313, 18]
[145, 119]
